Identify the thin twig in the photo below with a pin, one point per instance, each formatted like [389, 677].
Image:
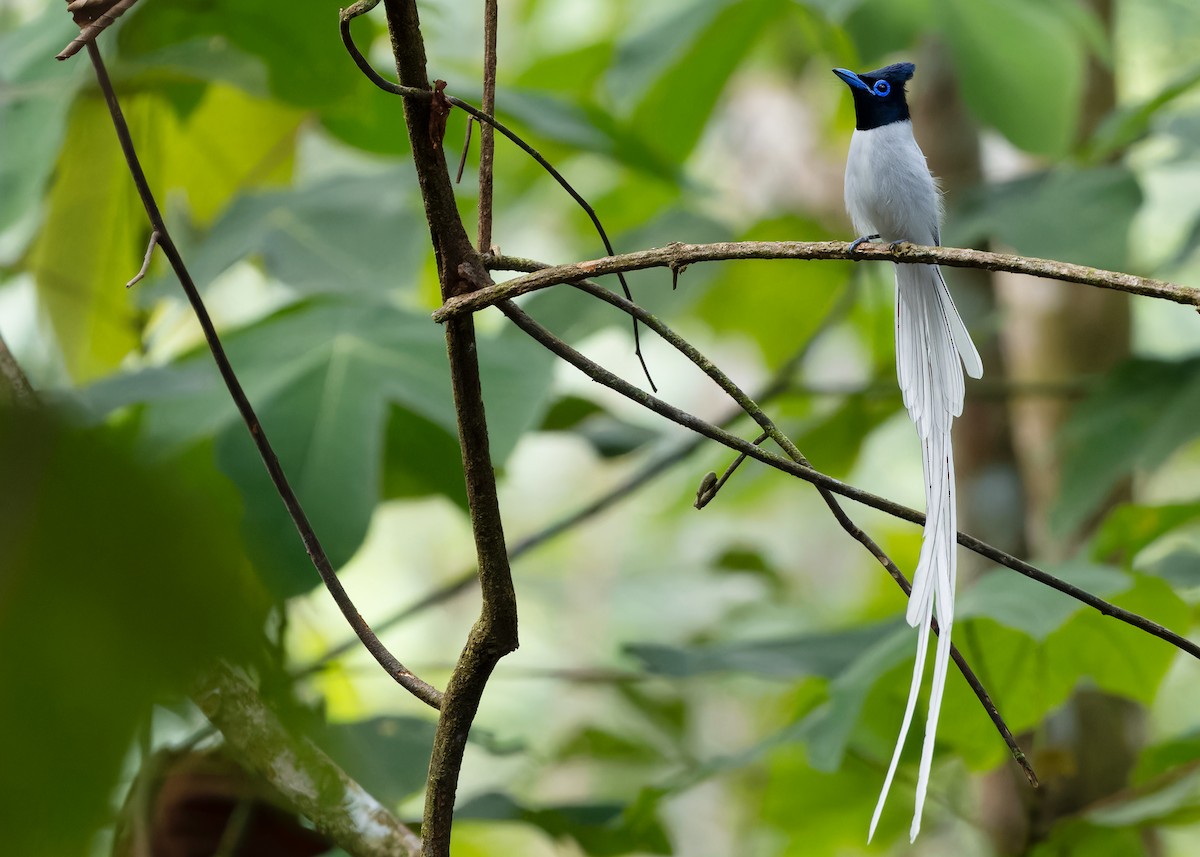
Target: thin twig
[487, 143]
[417, 93]
[710, 486]
[140, 275]
[403, 676]
[462, 159]
[687, 254]
[300, 770]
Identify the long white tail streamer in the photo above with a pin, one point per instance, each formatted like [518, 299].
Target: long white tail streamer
[932, 348]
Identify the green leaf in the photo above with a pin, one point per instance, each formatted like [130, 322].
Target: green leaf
[1180, 568]
[1075, 838]
[1025, 605]
[343, 233]
[600, 829]
[388, 756]
[1171, 799]
[824, 654]
[779, 304]
[609, 436]
[229, 143]
[437, 471]
[684, 95]
[832, 441]
[1140, 413]
[1128, 529]
[882, 27]
[1029, 668]
[33, 109]
[121, 580]
[827, 730]
[1021, 66]
[595, 744]
[1159, 759]
[1073, 215]
[1126, 125]
[325, 378]
[1029, 678]
[93, 240]
[581, 127]
[305, 63]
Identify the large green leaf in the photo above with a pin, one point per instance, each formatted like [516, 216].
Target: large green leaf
[326, 377]
[1025, 605]
[882, 27]
[824, 654]
[120, 580]
[1127, 529]
[34, 99]
[227, 144]
[345, 233]
[387, 756]
[1028, 678]
[579, 127]
[1077, 838]
[832, 441]
[305, 62]
[1126, 125]
[1021, 67]
[1030, 648]
[1073, 215]
[92, 241]
[779, 304]
[677, 108]
[600, 829]
[1141, 413]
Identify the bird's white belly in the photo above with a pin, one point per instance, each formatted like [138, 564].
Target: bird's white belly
[889, 190]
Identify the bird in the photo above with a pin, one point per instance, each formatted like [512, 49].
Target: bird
[892, 197]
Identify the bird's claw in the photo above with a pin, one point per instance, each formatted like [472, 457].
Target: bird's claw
[863, 240]
[892, 247]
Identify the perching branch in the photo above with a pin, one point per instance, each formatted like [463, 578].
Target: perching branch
[675, 255]
[460, 270]
[403, 676]
[312, 782]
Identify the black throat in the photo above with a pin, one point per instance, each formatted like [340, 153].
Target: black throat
[871, 111]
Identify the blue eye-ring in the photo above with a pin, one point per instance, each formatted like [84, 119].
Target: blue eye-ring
[881, 88]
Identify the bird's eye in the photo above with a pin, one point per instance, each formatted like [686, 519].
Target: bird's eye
[881, 88]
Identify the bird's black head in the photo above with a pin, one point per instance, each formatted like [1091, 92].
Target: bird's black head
[878, 95]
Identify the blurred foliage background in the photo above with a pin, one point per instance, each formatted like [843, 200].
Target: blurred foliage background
[699, 683]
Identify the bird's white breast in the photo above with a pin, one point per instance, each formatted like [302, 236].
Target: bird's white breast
[889, 190]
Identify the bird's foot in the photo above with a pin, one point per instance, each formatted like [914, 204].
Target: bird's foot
[863, 240]
[892, 247]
